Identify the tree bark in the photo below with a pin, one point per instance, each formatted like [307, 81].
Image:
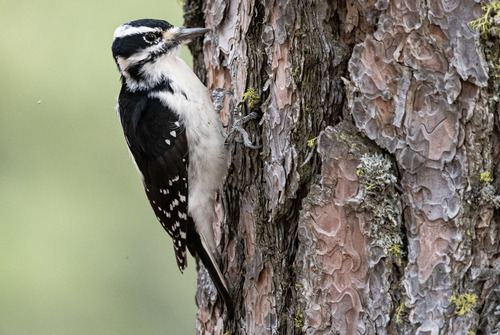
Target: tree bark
[370, 208]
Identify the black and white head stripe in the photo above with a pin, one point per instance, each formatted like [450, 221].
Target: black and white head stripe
[141, 27]
[137, 45]
[136, 40]
[126, 30]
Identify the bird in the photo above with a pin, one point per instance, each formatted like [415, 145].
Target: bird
[174, 136]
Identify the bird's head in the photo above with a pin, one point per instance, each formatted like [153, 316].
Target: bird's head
[140, 48]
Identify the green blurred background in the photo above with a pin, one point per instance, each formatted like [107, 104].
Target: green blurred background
[81, 252]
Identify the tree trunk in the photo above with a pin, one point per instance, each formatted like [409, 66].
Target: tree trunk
[370, 208]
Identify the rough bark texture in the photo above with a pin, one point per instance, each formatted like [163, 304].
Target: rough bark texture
[384, 224]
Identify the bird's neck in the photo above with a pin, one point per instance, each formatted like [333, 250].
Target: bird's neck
[147, 75]
[171, 77]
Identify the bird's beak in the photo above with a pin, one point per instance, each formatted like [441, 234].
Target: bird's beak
[187, 34]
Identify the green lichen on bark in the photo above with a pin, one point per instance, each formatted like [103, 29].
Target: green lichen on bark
[485, 177]
[464, 303]
[487, 193]
[253, 98]
[375, 173]
[299, 319]
[481, 193]
[399, 311]
[488, 25]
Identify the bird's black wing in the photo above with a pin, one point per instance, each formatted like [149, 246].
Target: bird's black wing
[157, 140]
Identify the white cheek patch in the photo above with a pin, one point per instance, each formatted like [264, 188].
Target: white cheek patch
[145, 53]
[124, 63]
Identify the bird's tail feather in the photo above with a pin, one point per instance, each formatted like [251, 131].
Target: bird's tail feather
[201, 248]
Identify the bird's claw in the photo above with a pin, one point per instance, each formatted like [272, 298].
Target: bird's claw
[218, 96]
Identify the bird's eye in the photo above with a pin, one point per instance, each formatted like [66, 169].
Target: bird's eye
[150, 37]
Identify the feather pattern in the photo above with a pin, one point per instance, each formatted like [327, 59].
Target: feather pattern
[174, 136]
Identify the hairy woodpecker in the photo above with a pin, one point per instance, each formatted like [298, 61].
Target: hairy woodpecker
[174, 136]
